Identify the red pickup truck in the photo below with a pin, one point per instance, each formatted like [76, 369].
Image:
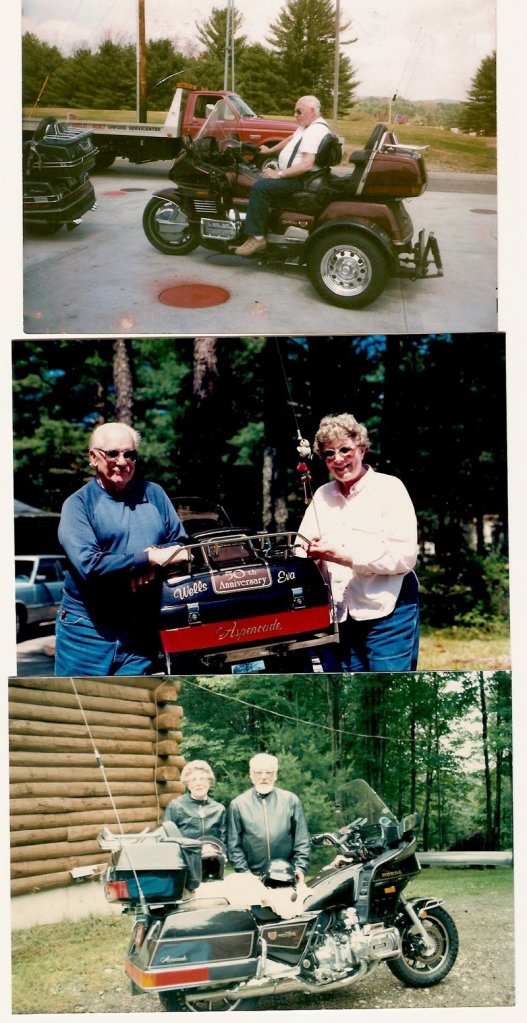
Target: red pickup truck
[144, 142]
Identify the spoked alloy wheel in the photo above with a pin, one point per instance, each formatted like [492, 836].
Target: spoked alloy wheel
[176, 1001]
[419, 966]
[347, 268]
[168, 228]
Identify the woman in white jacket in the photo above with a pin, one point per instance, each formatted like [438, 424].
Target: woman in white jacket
[362, 528]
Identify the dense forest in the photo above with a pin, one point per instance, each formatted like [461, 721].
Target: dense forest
[438, 743]
[219, 418]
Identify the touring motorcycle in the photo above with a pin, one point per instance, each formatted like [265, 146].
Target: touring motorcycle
[201, 947]
[348, 227]
[57, 190]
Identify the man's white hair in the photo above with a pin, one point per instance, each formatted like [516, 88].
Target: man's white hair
[261, 759]
[311, 101]
[109, 427]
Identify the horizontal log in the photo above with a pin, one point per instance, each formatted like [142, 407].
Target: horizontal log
[39, 759]
[78, 833]
[32, 868]
[89, 687]
[75, 774]
[73, 716]
[167, 693]
[97, 816]
[166, 746]
[40, 883]
[165, 797]
[170, 718]
[19, 790]
[20, 741]
[54, 850]
[167, 773]
[62, 804]
[64, 730]
[40, 698]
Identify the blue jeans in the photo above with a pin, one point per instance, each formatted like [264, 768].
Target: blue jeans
[82, 649]
[384, 644]
[380, 644]
[266, 193]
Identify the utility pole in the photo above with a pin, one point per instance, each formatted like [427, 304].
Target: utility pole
[229, 47]
[141, 62]
[337, 68]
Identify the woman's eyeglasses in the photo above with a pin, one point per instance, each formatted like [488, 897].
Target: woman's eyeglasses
[329, 454]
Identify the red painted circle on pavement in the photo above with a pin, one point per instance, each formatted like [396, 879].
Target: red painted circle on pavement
[194, 296]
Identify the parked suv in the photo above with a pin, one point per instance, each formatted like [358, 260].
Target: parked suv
[39, 580]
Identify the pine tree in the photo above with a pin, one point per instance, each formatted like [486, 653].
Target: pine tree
[480, 111]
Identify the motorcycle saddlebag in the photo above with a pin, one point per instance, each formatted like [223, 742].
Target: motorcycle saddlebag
[64, 152]
[195, 947]
[235, 597]
[162, 870]
[57, 202]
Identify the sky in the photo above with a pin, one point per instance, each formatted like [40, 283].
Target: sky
[415, 48]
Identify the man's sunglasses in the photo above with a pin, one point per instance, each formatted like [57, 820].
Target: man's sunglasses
[130, 453]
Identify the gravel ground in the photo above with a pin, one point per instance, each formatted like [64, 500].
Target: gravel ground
[482, 976]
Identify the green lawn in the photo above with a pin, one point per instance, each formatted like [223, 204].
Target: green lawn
[447, 152]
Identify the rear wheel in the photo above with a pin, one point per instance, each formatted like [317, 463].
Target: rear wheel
[423, 967]
[347, 268]
[168, 228]
[177, 1001]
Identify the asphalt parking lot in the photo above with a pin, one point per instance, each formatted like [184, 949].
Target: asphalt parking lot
[106, 278]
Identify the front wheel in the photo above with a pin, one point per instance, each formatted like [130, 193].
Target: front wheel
[420, 966]
[176, 1001]
[168, 228]
[347, 268]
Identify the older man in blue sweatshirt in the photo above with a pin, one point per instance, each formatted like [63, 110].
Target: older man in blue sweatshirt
[116, 531]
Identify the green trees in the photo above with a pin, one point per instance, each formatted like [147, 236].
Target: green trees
[419, 739]
[299, 60]
[480, 110]
[219, 418]
[303, 38]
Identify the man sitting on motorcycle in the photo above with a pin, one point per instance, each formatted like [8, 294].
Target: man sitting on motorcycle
[297, 157]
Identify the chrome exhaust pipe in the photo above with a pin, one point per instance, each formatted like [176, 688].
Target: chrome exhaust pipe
[276, 986]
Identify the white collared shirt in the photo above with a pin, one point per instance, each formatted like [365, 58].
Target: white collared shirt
[311, 138]
[375, 527]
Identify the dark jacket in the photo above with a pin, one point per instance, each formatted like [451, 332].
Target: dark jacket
[196, 818]
[264, 828]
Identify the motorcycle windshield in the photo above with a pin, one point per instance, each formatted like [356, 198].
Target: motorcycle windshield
[359, 801]
[223, 121]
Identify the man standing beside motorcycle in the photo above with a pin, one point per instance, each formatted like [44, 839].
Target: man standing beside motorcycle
[297, 157]
[267, 823]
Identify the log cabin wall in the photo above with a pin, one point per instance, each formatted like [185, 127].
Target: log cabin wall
[59, 799]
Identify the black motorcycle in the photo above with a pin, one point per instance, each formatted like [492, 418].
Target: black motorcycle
[56, 166]
[201, 948]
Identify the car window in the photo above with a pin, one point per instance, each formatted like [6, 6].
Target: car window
[49, 569]
[23, 571]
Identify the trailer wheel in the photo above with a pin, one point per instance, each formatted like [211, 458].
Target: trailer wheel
[104, 159]
[347, 268]
[168, 228]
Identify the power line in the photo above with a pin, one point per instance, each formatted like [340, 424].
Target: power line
[297, 720]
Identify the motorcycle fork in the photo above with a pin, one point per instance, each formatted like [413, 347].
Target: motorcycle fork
[417, 922]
